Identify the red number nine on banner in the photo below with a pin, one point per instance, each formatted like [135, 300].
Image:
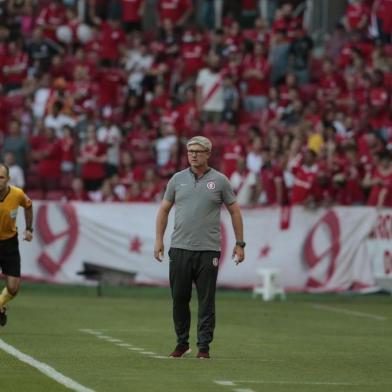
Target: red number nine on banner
[312, 258]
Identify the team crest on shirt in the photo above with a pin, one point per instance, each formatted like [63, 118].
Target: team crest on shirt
[211, 185]
[14, 213]
[215, 261]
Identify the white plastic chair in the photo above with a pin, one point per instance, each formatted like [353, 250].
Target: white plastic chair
[269, 286]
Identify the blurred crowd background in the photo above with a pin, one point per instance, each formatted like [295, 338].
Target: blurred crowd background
[98, 98]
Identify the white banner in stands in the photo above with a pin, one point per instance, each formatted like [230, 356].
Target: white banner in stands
[380, 248]
[321, 250]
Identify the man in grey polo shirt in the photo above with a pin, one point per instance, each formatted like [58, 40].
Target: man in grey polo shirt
[198, 193]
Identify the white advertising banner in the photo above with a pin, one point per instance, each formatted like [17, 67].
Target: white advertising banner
[321, 250]
[380, 247]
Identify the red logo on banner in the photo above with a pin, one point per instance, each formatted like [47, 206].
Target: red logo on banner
[264, 251]
[135, 245]
[48, 237]
[330, 223]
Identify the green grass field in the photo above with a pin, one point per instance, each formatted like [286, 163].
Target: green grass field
[306, 343]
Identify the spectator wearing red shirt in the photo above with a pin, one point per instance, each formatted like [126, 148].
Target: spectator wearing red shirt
[110, 81]
[232, 151]
[51, 17]
[187, 113]
[348, 178]
[356, 16]
[304, 178]
[380, 182]
[134, 193]
[379, 101]
[233, 35]
[290, 82]
[150, 187]
[286, 21]
[105, 193]
[93, 160]
[256, 75]
[112, 40]
[77, 192]
[353, 97]
[192, 54]
[178, 11]
[272, 184]
[48, 155]
[132, 14]
[14, 67]
[160, 101]
[259, 33]
[129, 172]
[81, 64]
[330, 83]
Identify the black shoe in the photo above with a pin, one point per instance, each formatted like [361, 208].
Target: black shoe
[3, 317]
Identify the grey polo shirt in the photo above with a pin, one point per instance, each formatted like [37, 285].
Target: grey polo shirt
[197, 208]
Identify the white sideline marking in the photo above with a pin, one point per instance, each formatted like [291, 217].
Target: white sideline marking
[296, 382]
[91, 331]
[124, 345]
[243, 390]
[147, 353]
[225, 383]
[136, 349]
[112, 340]
[160, 357]
[44, 368]
[348, 312]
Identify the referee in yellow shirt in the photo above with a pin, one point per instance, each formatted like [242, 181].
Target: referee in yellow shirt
[11, 198]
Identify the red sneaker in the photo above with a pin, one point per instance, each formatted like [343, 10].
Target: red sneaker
[203, 354]
[180, 351]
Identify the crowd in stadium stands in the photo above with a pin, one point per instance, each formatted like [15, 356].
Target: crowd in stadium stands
[94, 106]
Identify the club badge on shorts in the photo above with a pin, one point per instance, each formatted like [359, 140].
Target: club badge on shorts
[211, 185]
[215, 261]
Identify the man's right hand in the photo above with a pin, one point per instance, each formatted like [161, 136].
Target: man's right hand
[158, 250]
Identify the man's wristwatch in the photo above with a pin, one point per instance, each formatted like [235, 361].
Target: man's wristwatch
[241, 244]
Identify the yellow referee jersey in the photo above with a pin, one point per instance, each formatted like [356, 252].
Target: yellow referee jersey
[13, 199]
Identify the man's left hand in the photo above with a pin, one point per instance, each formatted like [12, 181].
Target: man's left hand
[238, 254]
[27, 235]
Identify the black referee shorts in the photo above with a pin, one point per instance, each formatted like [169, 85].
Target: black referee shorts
[10, 256]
